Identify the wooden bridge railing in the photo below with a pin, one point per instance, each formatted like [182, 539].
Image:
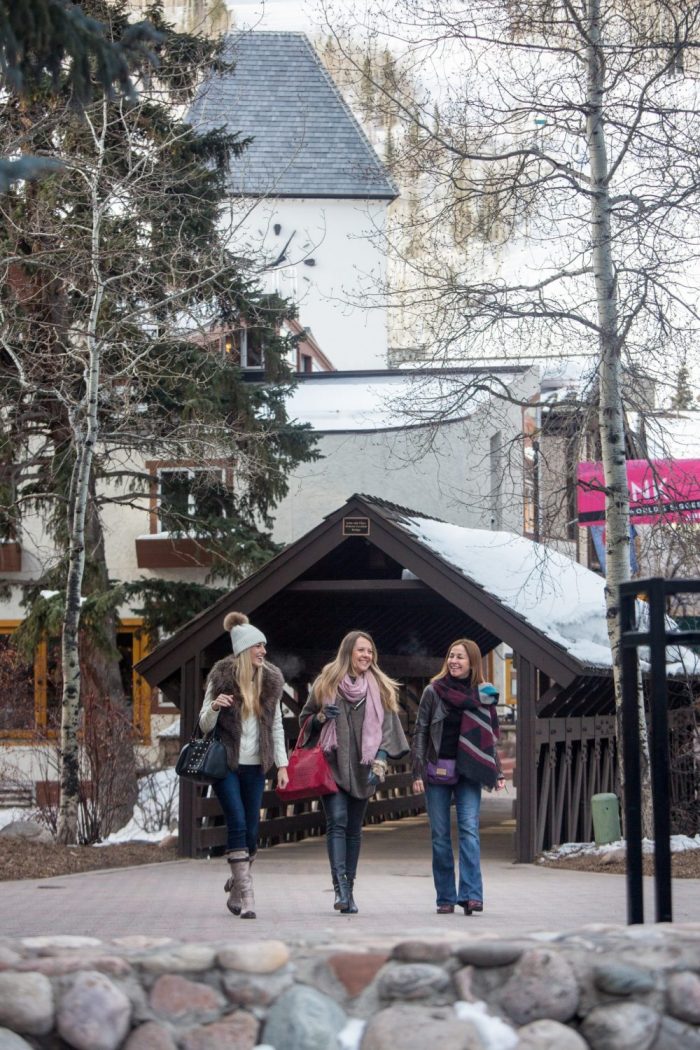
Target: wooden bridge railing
[293, 821]
[577, 758]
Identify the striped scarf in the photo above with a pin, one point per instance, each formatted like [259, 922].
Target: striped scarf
[478, 730]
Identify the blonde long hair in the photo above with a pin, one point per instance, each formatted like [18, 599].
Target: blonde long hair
[476, 671]
[245, 674]
[326, 685]
[249, 680]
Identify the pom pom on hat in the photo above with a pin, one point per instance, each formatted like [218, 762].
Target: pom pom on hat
[243, 634]
[233, 619]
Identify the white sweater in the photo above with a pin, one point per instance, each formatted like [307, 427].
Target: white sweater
[249, 753]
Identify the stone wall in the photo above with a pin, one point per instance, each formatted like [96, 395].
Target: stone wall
[623, 988]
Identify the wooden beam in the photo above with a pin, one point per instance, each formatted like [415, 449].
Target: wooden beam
[189, 700]
[334, 586]
[547, 698]
[205, 628]
[526, 762]
[397, 665]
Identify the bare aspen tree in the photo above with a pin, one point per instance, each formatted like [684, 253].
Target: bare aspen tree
[84, 421]
[557, 148]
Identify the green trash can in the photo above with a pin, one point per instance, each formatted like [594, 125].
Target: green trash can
[605, 810]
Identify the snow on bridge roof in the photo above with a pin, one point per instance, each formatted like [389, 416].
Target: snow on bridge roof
[558, 596]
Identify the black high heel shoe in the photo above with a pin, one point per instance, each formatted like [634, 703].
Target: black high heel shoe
[470, 907]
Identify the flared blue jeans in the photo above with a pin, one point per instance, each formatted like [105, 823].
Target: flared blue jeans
[467, 798]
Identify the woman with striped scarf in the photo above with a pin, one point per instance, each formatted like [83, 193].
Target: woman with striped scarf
[454, 757]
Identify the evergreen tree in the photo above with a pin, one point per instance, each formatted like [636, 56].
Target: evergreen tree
[366, 92]
[116, 271]
[683, 395]
[58, 41]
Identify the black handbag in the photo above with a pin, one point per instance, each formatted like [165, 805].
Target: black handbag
[203, 759]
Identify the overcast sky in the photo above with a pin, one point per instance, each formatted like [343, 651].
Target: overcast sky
[275, 14]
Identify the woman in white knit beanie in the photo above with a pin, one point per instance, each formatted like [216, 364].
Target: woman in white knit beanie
[242, 699]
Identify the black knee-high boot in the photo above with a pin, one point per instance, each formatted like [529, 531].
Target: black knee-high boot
[343, 895]
[352, 906]
[336, 856]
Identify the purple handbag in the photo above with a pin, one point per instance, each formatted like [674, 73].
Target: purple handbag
[444, 771]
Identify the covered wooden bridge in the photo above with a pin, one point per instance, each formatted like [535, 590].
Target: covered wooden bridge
[415, 584]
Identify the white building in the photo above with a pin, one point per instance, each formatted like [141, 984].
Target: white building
[445, 443]
[309, 195]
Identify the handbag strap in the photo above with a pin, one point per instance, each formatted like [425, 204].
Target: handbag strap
[199, 734]
[302, 735]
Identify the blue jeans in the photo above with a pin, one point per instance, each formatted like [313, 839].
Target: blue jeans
[240, 797]
[344, 816]
[467, 796]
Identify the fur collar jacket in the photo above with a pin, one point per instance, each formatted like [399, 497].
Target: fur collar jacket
[222, 680]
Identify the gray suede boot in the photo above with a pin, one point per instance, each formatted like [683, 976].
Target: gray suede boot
[237, 859]
[246, 890]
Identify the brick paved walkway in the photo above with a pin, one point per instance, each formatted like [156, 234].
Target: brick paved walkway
[185, 899]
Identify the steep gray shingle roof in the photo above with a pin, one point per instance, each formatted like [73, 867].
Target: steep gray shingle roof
[306, 142]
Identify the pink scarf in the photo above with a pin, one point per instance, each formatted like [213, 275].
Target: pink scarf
[365, 685]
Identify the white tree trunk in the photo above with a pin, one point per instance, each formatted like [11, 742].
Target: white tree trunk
[610, 404]
[84, 421]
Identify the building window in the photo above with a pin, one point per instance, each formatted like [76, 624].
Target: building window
[245, 346]
[31, 692]
[17, 685]
[186, 494]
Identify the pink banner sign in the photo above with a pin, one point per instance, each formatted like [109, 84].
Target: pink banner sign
[659, 489]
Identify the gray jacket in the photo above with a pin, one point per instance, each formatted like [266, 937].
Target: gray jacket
[348, 771]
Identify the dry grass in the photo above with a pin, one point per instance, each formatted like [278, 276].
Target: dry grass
[20, 859]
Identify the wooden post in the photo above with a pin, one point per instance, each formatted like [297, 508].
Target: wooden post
[526, 762]
[188, 791]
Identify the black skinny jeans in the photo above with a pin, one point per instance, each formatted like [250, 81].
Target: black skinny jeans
[344, 817]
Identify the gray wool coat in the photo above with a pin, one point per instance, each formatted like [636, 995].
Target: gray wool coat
[348, 771]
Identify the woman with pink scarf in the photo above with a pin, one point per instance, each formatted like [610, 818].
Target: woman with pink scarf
[354, 706]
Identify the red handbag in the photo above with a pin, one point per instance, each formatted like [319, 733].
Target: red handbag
[309, 775]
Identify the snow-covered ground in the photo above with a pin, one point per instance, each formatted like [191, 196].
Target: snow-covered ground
[154, 817]
[154, 813]
[679, 843]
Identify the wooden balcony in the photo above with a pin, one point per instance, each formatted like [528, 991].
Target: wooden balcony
[171, 552]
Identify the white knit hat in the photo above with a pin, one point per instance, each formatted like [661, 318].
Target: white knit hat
[243, 634]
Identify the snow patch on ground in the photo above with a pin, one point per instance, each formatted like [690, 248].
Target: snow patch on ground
[12, 813]
[154, 817]
[679, 843]
[154, 811]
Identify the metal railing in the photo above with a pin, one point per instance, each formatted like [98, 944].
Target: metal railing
[657, 636]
